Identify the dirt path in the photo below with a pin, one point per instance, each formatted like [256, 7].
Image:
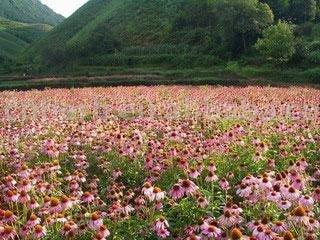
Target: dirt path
[110, 77]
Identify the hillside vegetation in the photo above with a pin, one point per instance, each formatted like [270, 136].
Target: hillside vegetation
[183, 33]
[16, 36]
[234, 38]
[147, 27]
[22, 22]
[29, 11]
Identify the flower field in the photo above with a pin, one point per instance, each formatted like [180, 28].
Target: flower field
[160, 163]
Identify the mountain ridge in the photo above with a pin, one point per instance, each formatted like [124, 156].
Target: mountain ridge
[29, 11]
[23, 22]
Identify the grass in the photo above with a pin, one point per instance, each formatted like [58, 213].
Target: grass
[231, 74]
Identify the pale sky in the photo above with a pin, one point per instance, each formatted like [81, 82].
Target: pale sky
[64, 7]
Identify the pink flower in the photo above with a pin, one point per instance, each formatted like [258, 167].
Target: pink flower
[229, 219]
[33, 204]
[66, 203]
[188, 186]
[161, 223]
[9, 217]
[147, 189]
[211, 231]
[156, 194]
[116, 174]
[126, 208]
[103, 230]
[279, 227]
[23, 197]
[163, 233]
[211, 177]
[267, 235]
[11, 196]
[8, 232]
[55, 206]
[212, 167]
[87, 197]
[284, 205]
[95, 221]
[193, 173]
[292, 194]
[39, 231]
[33, 221]
[274, 196]
[244, 190]
[306, 201]
[316, 195]
[202, 202]
[224, 184]
[176, 191]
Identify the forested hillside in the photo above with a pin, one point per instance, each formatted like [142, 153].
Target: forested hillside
[29, 11]
[16, 36]
[22, 22]
[141, 32]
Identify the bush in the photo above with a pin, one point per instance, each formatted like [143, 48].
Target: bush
[312, 75]
[277, 43]
[313, 57]
[314, 45]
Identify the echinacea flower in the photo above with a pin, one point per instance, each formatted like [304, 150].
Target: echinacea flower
[236, 234]
[87, 197]
[229, 219]
[95, 221]
[299, 216]
[188, 186]
[288, 236]
[147, 189]
[39, 231]
[316, 194]
[55, 206]
[9, 217]
[224, 184]
[33, 221]
[176, 191]
[194, 173]
[8, 232]
[103, 230]
[306, 201]
[161, 223]
[126, 208]
[211, 177]
[163, 233]
[244, 190]
[313, 225]
[211, 231]
[33, 204]
[284, 205]
[279, 227]
[157, 194]
[202, 202]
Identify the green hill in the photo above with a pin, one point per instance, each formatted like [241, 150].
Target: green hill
[15, 36]
[166, 35]
[153, 32]
[22, 22]
[129, 27]
[29, 11]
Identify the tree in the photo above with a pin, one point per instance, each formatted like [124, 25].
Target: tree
[279, 7]
[301, 11]
[317, 18]
[277, 43]
[239, 23]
